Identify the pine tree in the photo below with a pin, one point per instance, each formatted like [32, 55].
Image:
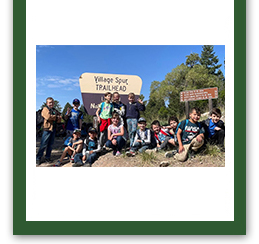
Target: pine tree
[68, 105]
[209, 60]
[56, 105]
[192, 59]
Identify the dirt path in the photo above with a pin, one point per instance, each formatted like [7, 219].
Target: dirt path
[155, 160]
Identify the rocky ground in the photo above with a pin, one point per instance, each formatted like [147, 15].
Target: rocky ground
[149, 159]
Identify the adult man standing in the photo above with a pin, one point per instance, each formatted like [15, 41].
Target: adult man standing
[51, 118]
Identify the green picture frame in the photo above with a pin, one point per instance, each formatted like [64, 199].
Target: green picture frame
[23, 227]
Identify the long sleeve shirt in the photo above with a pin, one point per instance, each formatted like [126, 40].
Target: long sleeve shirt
[132, 110]
[91, 145]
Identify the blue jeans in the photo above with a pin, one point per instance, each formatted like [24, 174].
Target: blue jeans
[119, 146]
[132, 127]
[78, 158]
[47, 141]
[92, 158]
[141, 148]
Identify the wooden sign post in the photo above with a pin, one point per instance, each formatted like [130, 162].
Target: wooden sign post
[200, 94]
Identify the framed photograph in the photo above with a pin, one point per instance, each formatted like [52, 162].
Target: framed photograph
[176, 56]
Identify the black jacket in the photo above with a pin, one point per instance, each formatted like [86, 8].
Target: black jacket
[206, 123]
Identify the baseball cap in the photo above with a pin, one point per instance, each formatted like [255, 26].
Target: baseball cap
[77, 131]
[141, 120]
[92, 130]
[76, 101]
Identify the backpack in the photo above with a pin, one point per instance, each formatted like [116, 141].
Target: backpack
[39, 118]
[86, 141]
[67, 142]
[186, 122]
[163, 132]
[153, 140]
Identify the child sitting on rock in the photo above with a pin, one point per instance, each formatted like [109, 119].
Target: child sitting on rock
[163, 138]
[190, 136]
[74, 146]
[90, 152]
[173, 123]
[142, 139]
[215, 128]
[116, 139]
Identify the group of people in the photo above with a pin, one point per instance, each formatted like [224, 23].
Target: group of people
[119, 122]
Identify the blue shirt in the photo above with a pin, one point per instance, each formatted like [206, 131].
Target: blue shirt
[212, 128]
[73, 120]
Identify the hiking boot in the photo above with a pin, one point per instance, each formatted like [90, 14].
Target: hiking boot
[117, 154]
[48, 160]
[87, 164]
[164, 164]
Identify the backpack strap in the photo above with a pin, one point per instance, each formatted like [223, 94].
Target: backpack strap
[137, 131]
[101, 108]
[164, 133]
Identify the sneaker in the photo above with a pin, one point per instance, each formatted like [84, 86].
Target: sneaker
[71, 160]
[87, 165]
[118, 154]
[38, 162]
[114, 152]
[169, 154]
[77, 164]
[191, 155]
[130, 154]
[58, 164]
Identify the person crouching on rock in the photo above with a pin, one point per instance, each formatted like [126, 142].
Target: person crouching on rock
[116, 140]
[91, 150]
[142, 139]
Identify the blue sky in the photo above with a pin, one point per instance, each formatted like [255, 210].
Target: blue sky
[59, 67]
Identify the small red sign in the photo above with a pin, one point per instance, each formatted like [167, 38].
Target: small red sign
[200, 94]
